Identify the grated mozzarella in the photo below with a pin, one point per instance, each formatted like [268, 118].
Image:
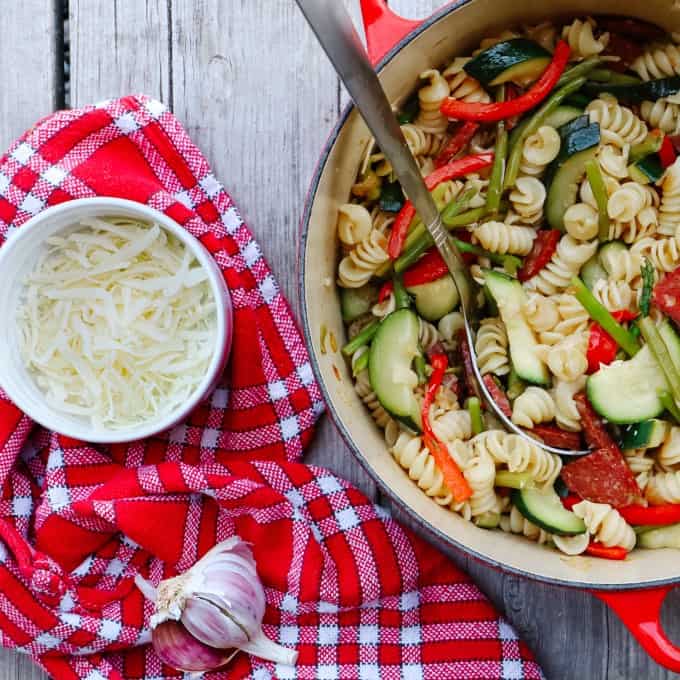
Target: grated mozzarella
[117, 323]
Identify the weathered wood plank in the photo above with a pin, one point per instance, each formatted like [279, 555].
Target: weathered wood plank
[29, 60]
[119, 47]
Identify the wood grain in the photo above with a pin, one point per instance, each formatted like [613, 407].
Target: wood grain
[259, 97]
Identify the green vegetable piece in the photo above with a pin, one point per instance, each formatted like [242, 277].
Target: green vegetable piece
[495, 189]
[634, 94]
[409, 111]
[604, 75]
[515, 385]
[474, 408]
[660, 537]
[601, 315]
[667, 402]
[660, 352]
[650, 144]
[360, 364]
[363, 338]
[647, 271]
[597, 184]
[421, 369]
[401, 297]
[391, 197]
[583, 68]
[514, 480]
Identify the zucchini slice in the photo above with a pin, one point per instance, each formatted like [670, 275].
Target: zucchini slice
[661, 537]
[510, 298]
[391, 355]
[357, 301]
[644, 435]
[592, 272]
[519, 60]
[435, 299]
[631, 94]
[544, 508]
[647, 170]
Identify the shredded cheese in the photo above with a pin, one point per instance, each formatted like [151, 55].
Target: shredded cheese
[117, 323]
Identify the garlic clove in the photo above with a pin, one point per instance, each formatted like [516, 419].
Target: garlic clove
[176, 647]
[260, 645]
[214, 625]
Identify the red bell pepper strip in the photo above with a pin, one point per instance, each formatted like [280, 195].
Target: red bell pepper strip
[667, 154]
[386, 290]
[570, 501]
[457, 143]
[429, 267]
[453, 476]
[498, 395]
[602, 347]
[555, 436]
[653, 515]
[598, 550]
[453, 170]
[545, 245]
[461, 110]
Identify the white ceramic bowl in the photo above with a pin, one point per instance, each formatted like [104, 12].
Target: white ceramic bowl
[17, 259]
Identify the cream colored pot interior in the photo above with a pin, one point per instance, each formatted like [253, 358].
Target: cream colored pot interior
[453, 33]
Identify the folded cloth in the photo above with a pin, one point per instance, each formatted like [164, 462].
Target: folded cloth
[355, 593]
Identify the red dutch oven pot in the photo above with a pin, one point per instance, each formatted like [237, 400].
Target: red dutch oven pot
[402, 49]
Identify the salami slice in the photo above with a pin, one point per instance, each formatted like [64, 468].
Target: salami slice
[498, 395]
[468, 373]
[555, 436]
[666, 295]
[602, 477]
[594, 429]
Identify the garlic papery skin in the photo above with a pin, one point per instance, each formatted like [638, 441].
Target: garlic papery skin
[219, 602]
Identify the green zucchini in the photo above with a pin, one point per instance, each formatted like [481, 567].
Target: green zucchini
[392, 352]
[435, 299]
[544, 508]
[580, 140]
[650, 144]
[357, 301]
[592, 272]
[557, 118]
[645, 435]
[519, 60]
[660, 537]
[647, 170]
[510, 298]
[614, 247]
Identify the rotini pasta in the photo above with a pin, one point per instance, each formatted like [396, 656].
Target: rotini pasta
[527, 199]
[605, 524]
[566, 413]
[663, 487]
[516, 523]
[354, 224]
[662, 114]
[621, 265]
[568, 259]
[359, 266]
[491, 346]
[541, 312]
[567, 358]
[664, 253]
[480, 474]
[384, 308]
[524, 456]
[640, 465]
[365, 391]
[462, 86]
[579, 35]
[431, 97]
[669, 210]
[614, 160]
[452, 426]
[669, 452]
[581, 222]
[618, 124]
[449, 327]
[539, 150]
[658, 62]
[428, 335]
[614, 295]
[499, 237]
[533, 406]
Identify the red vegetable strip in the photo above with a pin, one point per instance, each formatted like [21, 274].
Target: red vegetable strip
[544, 247]
[654, 515]
[667, 154]
[498, 395]
[453, 170]
[555, 436]
[594, 429]
[468, 373]
[457, 143]
[614, 553]
[385, 291]
[429, 267]
[666, 295]
[453, 476]
[602, 348]
[461, 110]
[570, 501]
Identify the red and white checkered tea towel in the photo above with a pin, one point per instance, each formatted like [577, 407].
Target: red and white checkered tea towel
[356, 594]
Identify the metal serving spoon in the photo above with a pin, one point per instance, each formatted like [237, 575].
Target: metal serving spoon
[334, 29]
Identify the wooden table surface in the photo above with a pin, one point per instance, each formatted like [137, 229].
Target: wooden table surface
[251, 85]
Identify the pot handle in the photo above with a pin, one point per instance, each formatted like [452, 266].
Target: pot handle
[639, 610]
[384, 28]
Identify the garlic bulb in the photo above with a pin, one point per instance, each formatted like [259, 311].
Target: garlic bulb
[212, 609]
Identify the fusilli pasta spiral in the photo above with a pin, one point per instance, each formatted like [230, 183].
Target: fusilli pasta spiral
[462, 86]
[640, 465]
[658, 62]
[663, 488]
[430, 97]
[449, 326]
[664, 253]
[524, 456]
[527, 199]
[539, 150]
[669, 452]
[567, 261]
[545, 34]
[516, 523]
[605, 524]
[357, 268]
[581, 221]
[614, 160]
[384, 308]
[662, 114]
[354, 223]
[499, 237]
[428, 335]
[421, 142]
[614, 295]
[540, 312]
[579, 35]
[480, 474]
[621, 265]
[618, 124]
[451, 426]
[368, 396]
[533, 406]
[669, 210]
[566, 413]
[567, 358]
[492, 443]
[491, 346]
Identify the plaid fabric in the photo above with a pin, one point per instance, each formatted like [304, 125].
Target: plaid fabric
[359, 596]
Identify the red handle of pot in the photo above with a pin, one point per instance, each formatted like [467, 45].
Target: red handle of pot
[384, 28]
[640, 610]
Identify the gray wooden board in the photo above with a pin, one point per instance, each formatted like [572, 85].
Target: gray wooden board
[259, 98]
